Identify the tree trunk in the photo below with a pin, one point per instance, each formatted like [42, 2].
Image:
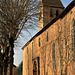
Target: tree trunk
[1, 70]
[11, 41]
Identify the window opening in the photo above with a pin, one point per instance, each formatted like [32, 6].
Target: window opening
[53, 55]
[57, 12]
[27, 50]
[51, 13]
[47, 36]
[39, 42]
[32, 51]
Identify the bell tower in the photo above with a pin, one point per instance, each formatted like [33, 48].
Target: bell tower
[48, 9]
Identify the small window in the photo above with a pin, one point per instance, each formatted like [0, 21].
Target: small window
[47, 36]
[66, 46]
[53, 55]
[39, 15]
[51, 13]
[57, 12]
[27, 50]
[65, 42]
[39, 42]
[32, 50]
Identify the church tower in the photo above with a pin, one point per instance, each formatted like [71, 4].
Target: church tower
[48, 9]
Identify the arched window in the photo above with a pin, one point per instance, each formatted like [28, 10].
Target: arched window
[35, 68]
[51, 13]
[57, 13]
[53, 55]
[73, 37]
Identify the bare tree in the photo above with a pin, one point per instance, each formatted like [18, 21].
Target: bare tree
[16, 13]
[14, 16]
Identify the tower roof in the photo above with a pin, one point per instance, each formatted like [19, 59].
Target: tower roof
[52, 3]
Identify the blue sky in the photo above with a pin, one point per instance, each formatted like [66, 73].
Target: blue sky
[66, 2]
[18, 57]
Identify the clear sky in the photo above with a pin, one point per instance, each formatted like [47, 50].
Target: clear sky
[66, 2]
[18, 56]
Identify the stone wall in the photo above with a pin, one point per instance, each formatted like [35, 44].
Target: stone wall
[45, 10]
[59, 33]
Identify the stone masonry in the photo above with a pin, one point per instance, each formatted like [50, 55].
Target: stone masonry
[51, 51]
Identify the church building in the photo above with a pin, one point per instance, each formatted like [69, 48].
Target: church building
[52, 50]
